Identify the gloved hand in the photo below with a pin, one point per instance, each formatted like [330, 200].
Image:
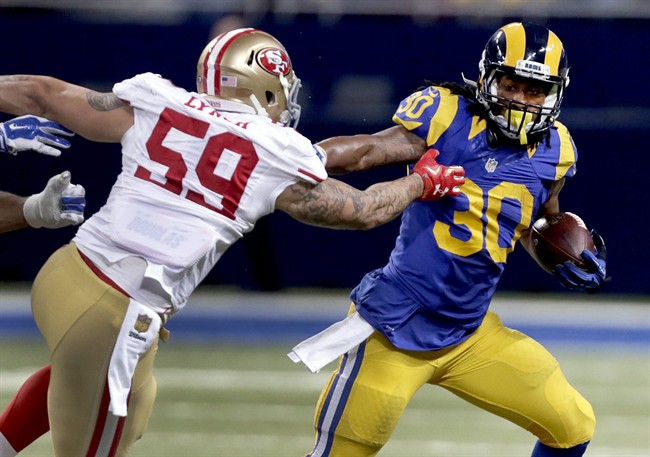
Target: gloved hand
[595, 274]
[60, 204]
[439, 180]
[33, 133]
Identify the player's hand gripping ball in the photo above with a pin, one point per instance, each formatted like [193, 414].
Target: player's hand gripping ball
[563, 246]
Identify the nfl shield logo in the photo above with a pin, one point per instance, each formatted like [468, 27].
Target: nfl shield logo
[491, 165]
[142, 323]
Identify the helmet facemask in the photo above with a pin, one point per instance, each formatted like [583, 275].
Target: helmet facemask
[517, 119]
[291, 115]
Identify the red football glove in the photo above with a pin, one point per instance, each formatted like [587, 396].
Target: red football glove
[439, 180]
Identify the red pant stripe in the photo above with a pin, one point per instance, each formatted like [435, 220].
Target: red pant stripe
[108, 430]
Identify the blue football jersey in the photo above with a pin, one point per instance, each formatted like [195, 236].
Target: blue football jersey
[450, 254]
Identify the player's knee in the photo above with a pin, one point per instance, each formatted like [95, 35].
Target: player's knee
[345, 447]
[580, 421]
[581, 424]
[576, 425]
[572, 420]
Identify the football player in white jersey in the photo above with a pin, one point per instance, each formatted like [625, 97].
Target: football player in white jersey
[60, 204]
[199, 169]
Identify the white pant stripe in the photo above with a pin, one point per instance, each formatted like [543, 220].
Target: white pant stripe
[332, 406]
[108, 435]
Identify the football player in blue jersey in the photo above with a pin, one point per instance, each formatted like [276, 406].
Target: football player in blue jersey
[423, 318]
[60, 204]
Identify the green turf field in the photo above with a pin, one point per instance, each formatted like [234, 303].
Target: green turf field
[217, 401]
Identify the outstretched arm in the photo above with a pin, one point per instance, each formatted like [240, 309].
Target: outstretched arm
[336, 205]
[361, 152]
[11, 212]
[96, 116]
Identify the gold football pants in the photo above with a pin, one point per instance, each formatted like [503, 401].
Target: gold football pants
[497, 369]
[80, 317]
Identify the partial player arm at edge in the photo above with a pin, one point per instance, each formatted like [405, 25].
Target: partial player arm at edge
[59, 204]
[337, 205]
[394, 145]
[11, 212]
[93, 115]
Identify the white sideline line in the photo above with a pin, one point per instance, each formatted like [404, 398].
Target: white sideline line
[170, 378]
[229, 440]
[272, 381]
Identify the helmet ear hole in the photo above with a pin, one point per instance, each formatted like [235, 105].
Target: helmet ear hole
[270, 97]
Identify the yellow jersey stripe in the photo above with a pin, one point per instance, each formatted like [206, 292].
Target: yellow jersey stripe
[410, 125]
[444, 116]
[567, 153]
[478, 125]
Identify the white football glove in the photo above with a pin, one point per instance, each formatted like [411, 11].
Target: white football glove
[60, 204]
[35, 133]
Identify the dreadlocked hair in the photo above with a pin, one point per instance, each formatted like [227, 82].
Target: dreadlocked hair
[464, 90]
[476, 109]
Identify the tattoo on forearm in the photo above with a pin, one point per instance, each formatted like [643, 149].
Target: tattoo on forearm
[333, 204]
[103, 102]
[383, 202]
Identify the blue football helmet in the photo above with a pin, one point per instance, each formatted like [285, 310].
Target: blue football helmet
[524, 51]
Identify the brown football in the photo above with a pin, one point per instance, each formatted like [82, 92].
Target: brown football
[560, 237]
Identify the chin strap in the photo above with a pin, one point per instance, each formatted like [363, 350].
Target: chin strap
[257, 106]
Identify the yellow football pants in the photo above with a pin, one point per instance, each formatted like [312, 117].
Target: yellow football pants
[80, 317]
[497, 369]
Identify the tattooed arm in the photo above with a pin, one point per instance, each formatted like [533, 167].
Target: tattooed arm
[93, 115]
[361, 152]
[337, 205]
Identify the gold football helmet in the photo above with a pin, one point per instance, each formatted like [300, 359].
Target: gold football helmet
[251, 67]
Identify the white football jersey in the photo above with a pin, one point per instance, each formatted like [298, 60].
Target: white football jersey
[194, 180]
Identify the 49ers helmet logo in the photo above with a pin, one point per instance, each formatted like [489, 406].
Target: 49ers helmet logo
[274, 60]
